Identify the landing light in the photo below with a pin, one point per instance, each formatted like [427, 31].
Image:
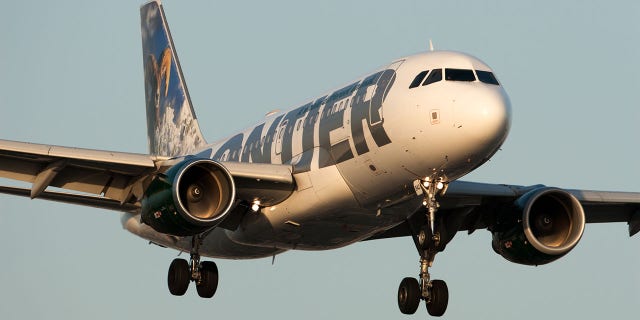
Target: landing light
[255, 206]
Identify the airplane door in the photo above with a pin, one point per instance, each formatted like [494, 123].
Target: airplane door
[281, 130]
[384, 83]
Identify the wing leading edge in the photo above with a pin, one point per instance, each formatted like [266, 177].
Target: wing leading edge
[480, 201]
[116, 180]
[599, 206]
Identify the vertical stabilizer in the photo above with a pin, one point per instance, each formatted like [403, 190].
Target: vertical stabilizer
[172, 126]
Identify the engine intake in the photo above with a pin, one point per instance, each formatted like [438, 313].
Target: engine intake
[191, 197]
[551, 224]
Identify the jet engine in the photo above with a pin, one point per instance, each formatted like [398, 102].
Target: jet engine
[542, 226]
[189, 198]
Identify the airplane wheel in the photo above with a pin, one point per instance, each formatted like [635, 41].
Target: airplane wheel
[209, 279]
[439, 298]
[179, 277]
[409, 295]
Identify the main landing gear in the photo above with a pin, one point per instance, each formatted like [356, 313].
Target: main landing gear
[204, 274]
[427, 239]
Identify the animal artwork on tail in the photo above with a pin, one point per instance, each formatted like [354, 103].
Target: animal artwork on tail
[172, 127]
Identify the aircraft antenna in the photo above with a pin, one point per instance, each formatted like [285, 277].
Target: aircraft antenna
[430, 45]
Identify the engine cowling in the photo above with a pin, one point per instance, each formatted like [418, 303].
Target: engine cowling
[189, 198]
[551, 222]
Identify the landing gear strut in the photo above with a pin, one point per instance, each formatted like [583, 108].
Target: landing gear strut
[204, 274]
[427, 239]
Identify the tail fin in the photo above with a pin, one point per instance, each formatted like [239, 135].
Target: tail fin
[172, 127]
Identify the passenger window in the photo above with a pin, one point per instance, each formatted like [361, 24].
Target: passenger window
[418, 79]
[487, 77]
[459, 75]
[434, 76]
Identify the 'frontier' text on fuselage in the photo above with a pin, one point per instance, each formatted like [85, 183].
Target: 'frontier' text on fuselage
[364, 98]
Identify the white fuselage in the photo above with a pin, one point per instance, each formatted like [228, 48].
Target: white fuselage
[357, 151]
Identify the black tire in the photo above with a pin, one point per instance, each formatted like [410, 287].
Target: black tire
[179, 277]
[409, 295]
[208, 283]
[439, 298]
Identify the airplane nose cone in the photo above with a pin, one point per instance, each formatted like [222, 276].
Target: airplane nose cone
[483, 117]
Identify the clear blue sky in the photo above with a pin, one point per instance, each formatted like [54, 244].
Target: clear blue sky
[71, 74]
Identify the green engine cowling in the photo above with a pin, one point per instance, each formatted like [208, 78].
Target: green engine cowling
[550, 223]
[191, 197]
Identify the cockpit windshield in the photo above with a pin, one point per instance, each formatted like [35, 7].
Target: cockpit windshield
[453, 74]
[434, 76]
[418, 79]
[487, 77]
[459, 75]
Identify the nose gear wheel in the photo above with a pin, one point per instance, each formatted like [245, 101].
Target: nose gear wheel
[428, 242]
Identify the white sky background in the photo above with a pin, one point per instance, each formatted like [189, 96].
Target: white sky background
[71, 74]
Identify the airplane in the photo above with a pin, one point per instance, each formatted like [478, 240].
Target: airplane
[311, 178]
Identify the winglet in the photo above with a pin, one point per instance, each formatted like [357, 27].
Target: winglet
[172, 126]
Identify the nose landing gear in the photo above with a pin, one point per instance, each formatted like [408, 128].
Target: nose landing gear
[427, 239]
[204, 274]
[434, 292]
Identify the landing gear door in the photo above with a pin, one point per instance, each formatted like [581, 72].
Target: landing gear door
[375, 97]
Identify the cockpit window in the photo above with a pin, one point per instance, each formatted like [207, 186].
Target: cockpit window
[418, 79]
[459, 75]
[434, 76]
[487, 77]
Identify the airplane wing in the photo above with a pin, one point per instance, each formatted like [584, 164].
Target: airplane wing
[479, 202]
[116, 180]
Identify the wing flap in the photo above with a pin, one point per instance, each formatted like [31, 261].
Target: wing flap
[109, 178]
[19, 169]
[98, 172]
[85, 200]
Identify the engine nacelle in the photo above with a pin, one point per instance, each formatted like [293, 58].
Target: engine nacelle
[191, 197]
[550, 223]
